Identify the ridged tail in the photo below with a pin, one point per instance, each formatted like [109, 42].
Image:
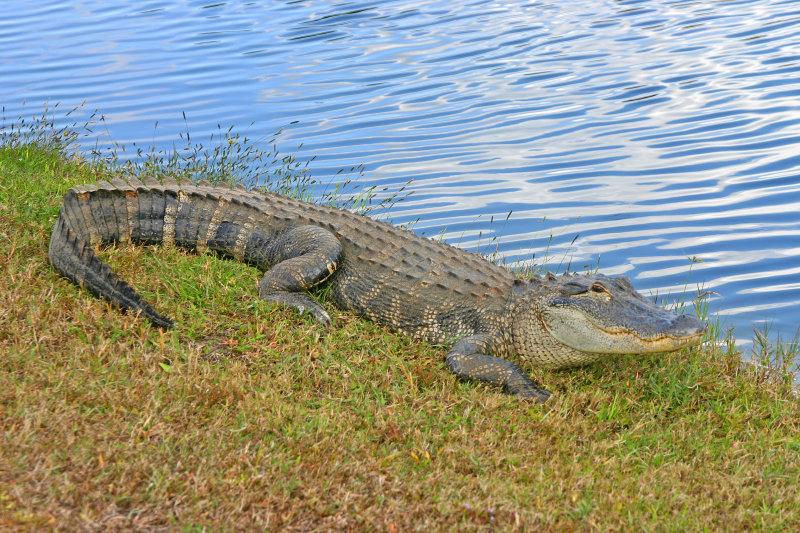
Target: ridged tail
[71, 254]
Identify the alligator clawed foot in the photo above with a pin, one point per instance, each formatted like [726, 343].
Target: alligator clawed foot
[466, 360]
[319, 314]
[301, 302]
[532, 393]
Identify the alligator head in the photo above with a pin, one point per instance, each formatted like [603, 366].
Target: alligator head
[576, 319]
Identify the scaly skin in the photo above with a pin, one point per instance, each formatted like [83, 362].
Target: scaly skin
[422, 288]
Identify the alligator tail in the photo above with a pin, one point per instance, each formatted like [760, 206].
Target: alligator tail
[84, 222]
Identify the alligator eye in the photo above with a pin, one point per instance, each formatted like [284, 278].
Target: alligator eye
[571, 289]
[600, 289]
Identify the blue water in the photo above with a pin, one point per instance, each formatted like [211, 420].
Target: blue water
[626, 134]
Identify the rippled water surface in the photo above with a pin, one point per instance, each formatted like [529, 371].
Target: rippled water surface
[630, 134]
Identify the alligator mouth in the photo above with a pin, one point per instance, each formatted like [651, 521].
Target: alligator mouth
[661, 343]
[581, 332]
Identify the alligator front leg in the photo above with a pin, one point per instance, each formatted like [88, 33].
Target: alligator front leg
[301, 258]
[468, 359]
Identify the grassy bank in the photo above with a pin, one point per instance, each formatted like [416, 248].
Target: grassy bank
[248, 417]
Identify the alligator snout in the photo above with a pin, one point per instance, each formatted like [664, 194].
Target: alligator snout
[665, 324]
[687, 326]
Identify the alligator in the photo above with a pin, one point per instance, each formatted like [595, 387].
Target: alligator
[417, 286]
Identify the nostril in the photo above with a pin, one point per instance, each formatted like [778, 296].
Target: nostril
[689, 324]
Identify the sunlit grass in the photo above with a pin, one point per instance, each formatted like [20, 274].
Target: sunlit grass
[249, 417]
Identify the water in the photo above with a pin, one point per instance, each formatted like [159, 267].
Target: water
[626, 134]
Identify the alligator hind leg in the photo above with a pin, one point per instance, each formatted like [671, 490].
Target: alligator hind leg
[467, 359]
[301, 258]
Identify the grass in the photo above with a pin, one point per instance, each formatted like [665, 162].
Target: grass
[249, 417]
